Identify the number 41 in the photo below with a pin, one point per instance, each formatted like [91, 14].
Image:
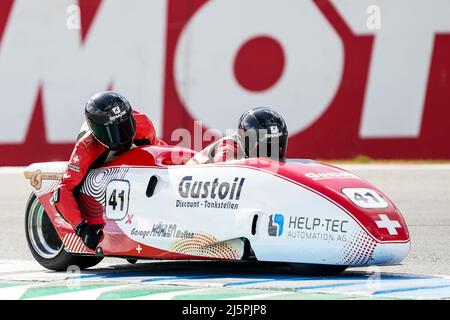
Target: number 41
[113, 199]
[359, 197]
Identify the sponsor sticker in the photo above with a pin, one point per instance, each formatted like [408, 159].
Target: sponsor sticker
[317, 228]
[330, 175]
[73, 167]
[162, 230]
[38, 176]
[276, 225]
[116, 110]
[117, 113]
[308, 228]
[213, 194]
[274, 132]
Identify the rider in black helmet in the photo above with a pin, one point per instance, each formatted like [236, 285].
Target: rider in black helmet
[112, 127]
[262, 132]
[110, 118]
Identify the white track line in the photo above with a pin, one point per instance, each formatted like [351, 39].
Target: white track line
[169, 295]
[86, 294]
[16, 292]
[259, 296]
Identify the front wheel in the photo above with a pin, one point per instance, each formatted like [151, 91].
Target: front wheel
[46, 245]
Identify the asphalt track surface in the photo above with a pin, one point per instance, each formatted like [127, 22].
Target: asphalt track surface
[422, 193]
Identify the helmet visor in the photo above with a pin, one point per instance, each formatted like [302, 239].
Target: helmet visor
[115, 135]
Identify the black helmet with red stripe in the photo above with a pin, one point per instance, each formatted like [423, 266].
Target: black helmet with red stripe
[263, 133]
[110, 118]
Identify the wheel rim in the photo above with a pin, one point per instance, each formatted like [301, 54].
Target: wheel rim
[43, 236]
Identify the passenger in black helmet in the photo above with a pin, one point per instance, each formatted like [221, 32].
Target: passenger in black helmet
[262, 132]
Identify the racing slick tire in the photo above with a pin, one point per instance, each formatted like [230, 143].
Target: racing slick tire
[46, 245]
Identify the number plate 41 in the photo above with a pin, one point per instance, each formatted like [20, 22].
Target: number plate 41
[365, 198]
[117, 196]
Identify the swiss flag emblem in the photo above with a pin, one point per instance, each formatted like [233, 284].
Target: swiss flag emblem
[390, 225]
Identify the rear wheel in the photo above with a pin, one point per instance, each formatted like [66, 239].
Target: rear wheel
[46, 245]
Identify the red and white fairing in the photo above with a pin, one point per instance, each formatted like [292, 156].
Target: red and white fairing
[300, 211]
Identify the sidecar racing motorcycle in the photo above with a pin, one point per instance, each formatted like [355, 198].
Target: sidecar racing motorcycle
[158, 206]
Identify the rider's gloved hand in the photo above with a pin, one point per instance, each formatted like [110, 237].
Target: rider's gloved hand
[91, 234]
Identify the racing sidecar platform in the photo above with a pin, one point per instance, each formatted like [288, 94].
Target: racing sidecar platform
[155, 206]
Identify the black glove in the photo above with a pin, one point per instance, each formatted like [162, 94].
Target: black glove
[91, 234]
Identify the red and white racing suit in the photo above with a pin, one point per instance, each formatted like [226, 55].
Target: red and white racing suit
[87, 154]
[226, 149]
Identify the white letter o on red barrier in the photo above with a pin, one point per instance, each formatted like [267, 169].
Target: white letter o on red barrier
[205, 61]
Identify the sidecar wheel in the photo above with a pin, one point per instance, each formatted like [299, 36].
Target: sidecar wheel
[46, 245]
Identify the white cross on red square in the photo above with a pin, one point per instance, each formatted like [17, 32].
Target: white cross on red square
[390, 225]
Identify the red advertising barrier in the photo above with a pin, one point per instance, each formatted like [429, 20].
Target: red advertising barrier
[345, 87]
